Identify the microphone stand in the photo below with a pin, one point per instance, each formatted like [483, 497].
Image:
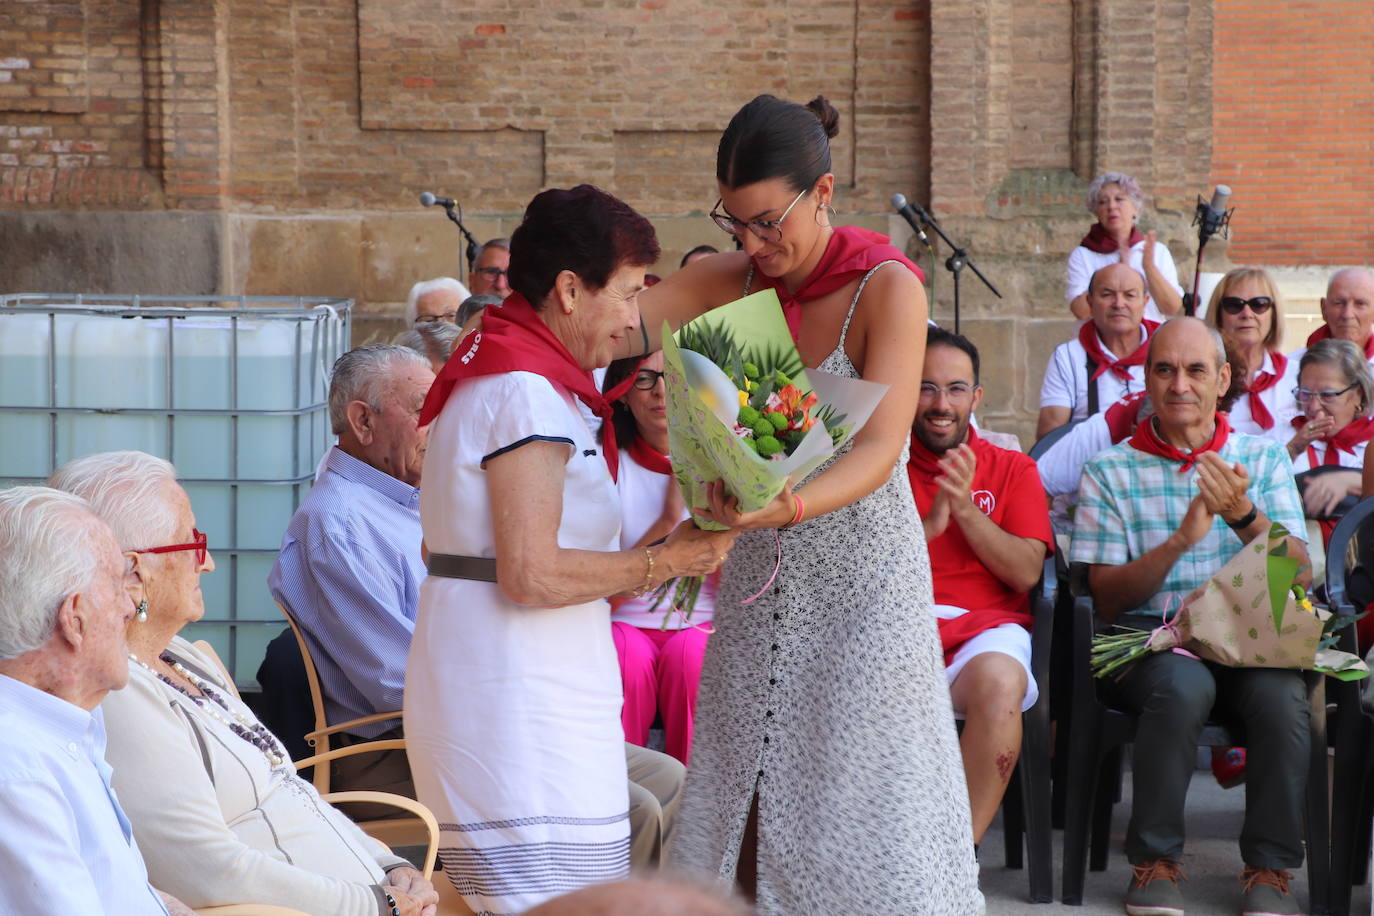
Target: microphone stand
[956, 262]
[1209, 223]
[471, 249]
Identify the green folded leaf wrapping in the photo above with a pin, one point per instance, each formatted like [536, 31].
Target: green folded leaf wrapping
[705, 448]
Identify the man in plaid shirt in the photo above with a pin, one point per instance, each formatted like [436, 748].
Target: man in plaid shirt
[1157, 516]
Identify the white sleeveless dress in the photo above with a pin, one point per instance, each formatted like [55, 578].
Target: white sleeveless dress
[826, 699]
[512, 714]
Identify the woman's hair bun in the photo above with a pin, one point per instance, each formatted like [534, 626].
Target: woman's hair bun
[825, 113]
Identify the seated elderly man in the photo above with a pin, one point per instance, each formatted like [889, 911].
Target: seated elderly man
[1157, 515]
[489, 269]
[350, 570]
[65, 844]
[1348, 312]
[988, 531]
[435, 300]
[1105, 360]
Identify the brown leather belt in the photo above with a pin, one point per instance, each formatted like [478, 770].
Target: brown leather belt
[453, 566]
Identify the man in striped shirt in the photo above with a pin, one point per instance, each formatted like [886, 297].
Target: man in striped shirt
[1157, 516]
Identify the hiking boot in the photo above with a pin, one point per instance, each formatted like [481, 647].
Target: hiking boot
[1228, 766]
[1267, 893]
[1153, 890]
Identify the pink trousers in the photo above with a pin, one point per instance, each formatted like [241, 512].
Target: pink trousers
[660, 670]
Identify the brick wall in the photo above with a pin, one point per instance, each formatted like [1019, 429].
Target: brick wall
[1292, 129]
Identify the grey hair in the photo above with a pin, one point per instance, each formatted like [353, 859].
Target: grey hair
[1127, 183]
[1347, 358]
[48, 552]
[502, 243]
[474, 304]
[433, 340]
[364, 374]
[425, 287]
[128, 490]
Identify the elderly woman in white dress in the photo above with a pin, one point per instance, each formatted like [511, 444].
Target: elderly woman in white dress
[1116, 200]
[215, 803]
[513, 695]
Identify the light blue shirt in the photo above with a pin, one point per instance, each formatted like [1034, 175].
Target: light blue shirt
[350, 572]
[65, 844]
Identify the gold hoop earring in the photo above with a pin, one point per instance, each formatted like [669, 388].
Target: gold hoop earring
[822, 209]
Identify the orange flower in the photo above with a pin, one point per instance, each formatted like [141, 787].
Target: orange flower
[791, 397]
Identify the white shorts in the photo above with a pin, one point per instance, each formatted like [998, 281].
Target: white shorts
[1009, 639]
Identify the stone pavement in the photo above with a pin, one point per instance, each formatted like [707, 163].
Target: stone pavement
[1211, 863]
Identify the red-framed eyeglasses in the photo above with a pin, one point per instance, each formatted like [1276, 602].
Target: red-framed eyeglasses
[198, 545]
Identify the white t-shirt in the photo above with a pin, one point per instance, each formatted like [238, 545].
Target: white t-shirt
[1066, 379]
[642, 493]
[1083, 263]
[1278, 398]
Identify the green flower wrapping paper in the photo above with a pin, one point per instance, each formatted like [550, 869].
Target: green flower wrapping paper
[1245, 616]
[700, 396]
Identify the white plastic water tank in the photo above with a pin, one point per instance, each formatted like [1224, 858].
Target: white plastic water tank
[234, 397]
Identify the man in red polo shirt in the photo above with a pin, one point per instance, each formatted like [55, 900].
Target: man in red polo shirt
[988, 528]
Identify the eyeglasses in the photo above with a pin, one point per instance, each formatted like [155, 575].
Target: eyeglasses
[956, 392]
[198, 545]
[769, 230]
[491, 273]
[1234, 305]
[646, 379]
[1328, 398]
[442, 316]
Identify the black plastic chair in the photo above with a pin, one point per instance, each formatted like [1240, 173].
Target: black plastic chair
[1350, 588]
[1026, 805]
[1099, 734]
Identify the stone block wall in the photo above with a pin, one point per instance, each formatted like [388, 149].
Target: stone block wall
[279, 146]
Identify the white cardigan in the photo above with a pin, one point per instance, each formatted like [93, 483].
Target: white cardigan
[216, 823]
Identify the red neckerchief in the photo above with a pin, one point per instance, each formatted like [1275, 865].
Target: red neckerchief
[1148, 441]
[923, 464]
[650, 458]
[514, 338]
[956, 631]
[1263, 381]
[850, 253]
[1122, 417]
[1359, 430]
[1324, 333]
[1104, 360]
[1100, 240]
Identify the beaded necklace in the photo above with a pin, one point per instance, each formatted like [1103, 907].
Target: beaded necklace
[255, 733]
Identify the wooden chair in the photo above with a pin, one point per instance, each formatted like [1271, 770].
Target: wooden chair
[418, 829]
[1098, 735]
[320, 737]
[1349, 589]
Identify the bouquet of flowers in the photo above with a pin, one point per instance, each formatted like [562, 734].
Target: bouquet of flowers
[743, 408]
[1251, 614]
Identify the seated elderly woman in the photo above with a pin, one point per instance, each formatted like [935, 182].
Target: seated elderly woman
[1116, 200]
[1335, 392]
[660, 649]
[1246, 309]
[215, 803]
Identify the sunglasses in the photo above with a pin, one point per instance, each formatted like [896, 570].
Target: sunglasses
[198, 545]
[1234, 305]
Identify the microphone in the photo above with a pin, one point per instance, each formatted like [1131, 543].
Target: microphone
[913, 215]
[1213, 217]
[429, 200]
